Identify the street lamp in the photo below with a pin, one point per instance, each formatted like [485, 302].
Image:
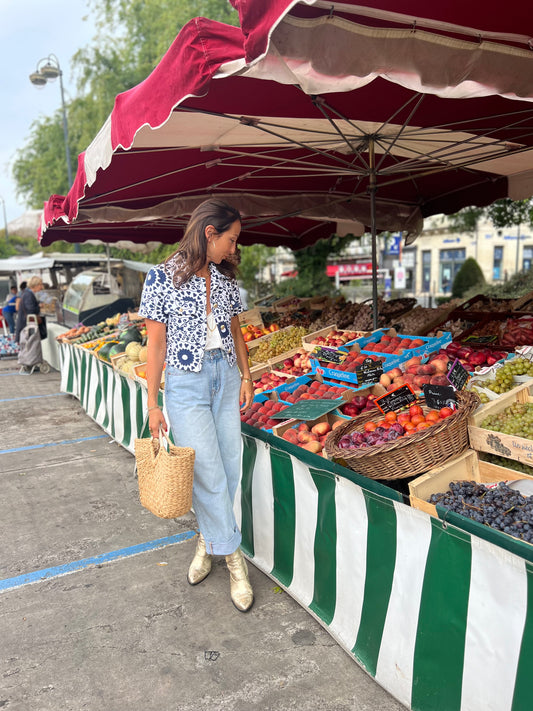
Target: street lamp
[5, 219]
[48, 69]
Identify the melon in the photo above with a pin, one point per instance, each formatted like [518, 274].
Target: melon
[143, 354]
[133, 349]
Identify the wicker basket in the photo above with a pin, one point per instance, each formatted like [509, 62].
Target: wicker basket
[410, 455]
[165, 476]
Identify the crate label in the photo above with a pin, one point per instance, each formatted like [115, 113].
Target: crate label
[307, 409]
[438, 396]
[329, 355]
[369, 372]
[458, 375]
[396, 399]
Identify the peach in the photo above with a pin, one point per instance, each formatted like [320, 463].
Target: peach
[395, 373]
[321, 428]
[337, 424]
[302, 427]
[422, 380]
[385, 380]
[304, 437]
[439, 380]
[314, 447]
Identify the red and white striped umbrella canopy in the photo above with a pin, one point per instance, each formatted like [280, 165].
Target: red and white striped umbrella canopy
[297, 115]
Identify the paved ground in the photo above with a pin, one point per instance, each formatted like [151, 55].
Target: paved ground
[114, 624]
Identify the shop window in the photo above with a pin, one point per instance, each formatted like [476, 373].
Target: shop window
[497, 263]
[426, 270]
[451, 260]
[527, 258]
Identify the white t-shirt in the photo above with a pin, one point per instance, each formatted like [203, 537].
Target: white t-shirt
[213, 336]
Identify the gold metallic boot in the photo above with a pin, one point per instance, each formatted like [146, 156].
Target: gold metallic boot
[242, 594]
[201, 563]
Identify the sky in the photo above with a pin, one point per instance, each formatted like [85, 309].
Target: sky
[31, 30]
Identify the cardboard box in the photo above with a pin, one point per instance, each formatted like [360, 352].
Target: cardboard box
[276, 364]
[466, 467]
[506, 445]
[330, 417]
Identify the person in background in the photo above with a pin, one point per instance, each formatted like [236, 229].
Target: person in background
[244, 296]
[191, 304]
[28, 304]
[23, 285]
[8, 310]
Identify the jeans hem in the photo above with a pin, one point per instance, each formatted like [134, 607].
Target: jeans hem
[226, 548]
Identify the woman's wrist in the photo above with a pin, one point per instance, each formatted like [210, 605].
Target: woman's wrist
[246, 379]
[153, 407]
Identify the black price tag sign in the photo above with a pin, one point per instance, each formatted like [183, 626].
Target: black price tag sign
[457, 375]
[438, 396]
[396, 399]
[369, 372]
[329, 355]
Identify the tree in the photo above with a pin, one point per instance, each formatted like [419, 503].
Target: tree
[507, 213]
[253, 260]
[131, 37]
[466, 220]
[468, 277]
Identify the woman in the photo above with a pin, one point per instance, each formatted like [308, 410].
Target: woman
[28, 304]
[191, 304]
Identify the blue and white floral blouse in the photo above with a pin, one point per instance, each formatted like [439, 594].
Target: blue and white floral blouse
[183, 311]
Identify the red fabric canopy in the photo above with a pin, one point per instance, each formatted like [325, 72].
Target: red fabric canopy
[302, 113]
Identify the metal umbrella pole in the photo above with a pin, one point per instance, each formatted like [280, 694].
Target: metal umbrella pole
[372, 190]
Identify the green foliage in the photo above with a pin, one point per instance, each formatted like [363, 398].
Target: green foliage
[253, 260]
[506, 212]
[17, 245]
[466, 220]
[468, 277]
[131, 37]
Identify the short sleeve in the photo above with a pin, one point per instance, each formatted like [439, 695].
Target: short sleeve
[153, 298]
[235, 298]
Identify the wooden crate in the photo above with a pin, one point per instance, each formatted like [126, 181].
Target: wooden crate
[510, 446]
[466, 467]
[252, 316]
[306, 340]
[289, 303]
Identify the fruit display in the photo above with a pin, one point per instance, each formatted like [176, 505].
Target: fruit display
[251, 332]
[393, 344]
[297, 363]
[268, 381]
[507, 463]
[334, 338]
[359, 403]
[353, 359]
[472, 358]
[73, 334]
[313, 390]
[416, 374]
[278, 343]
[517, 420]
[517, 332]
[392, 426]
[311, 437]
[499, 507]
[259, 414]
[504, 376]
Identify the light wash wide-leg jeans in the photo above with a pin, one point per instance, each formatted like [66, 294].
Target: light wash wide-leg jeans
[203, 409]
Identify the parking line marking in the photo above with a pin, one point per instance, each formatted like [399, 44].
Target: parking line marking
[57, 571]
[51, 444]
[30, 397]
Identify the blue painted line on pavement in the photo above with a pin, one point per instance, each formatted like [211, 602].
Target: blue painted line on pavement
[30, 397]
[51, 444]
[57, 571]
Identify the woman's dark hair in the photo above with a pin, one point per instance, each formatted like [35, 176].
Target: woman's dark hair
[193, 246]
[23, 285]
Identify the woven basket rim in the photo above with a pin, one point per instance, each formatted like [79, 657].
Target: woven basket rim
[464, 409]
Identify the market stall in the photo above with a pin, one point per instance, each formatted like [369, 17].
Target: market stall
[440, 614]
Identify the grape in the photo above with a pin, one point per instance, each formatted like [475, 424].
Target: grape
[500, 507]
[515, 420]
[504, 376]
[280, 342]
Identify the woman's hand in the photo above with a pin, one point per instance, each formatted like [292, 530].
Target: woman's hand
[247, 394]
[156, 421]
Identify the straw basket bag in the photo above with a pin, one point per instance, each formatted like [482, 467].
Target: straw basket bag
[165, 475]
